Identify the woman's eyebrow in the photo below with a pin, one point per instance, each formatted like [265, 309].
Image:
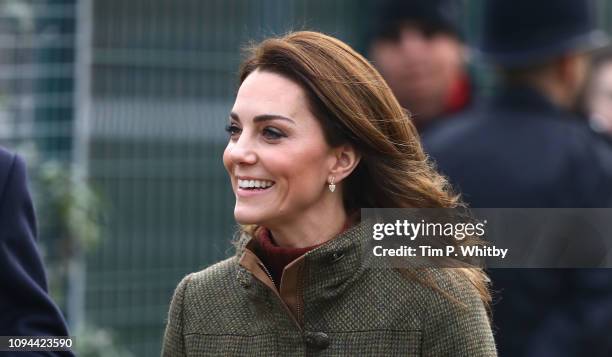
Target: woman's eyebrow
[263, 117]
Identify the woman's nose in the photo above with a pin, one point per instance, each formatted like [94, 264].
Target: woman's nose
[242, 152]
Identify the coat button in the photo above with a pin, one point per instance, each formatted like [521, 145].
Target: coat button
[319, 340]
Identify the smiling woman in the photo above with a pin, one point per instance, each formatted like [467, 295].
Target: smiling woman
[314, 135]
[279, 143]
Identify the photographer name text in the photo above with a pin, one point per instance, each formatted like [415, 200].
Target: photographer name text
[410, 231]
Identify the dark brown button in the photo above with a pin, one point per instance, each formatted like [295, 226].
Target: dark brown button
[318, 340]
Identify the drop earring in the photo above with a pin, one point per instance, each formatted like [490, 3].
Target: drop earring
[332, 186]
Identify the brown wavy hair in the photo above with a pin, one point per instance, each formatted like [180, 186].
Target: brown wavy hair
[355, 105]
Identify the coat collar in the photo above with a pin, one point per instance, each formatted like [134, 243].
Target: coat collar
[350, 244]
[338, 258]
[322, 273]
[337, 263]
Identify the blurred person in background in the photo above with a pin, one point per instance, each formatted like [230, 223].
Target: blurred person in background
[597, 100]
[25, 307]
[315, 134]
[417, 47]
[524, 147]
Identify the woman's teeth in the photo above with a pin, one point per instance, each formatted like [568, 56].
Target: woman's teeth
[250, 184]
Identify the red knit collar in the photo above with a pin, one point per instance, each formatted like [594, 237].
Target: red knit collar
[276, 258]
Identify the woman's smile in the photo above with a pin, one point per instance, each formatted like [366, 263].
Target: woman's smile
[248, 187]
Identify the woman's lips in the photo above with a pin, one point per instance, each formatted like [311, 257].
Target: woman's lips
[244, 192]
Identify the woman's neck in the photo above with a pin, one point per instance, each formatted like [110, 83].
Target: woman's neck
[313, 227]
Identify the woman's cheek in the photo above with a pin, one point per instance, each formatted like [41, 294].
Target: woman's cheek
[226, 158]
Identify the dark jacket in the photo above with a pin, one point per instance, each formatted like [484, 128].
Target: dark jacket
[329, 304]
[25, 307]
[519, 150]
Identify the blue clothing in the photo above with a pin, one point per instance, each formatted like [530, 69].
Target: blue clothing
[25, 307]
[519, 150]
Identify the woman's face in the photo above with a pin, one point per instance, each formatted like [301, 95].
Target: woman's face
[276, 157]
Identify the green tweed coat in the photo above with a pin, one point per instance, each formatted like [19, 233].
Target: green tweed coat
[344, 309]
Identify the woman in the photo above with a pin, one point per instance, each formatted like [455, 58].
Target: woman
[314, 135]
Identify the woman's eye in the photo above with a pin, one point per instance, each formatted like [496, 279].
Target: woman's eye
[233, 130]
[272, 133]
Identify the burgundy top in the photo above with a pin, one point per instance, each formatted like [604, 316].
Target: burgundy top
[276, 258]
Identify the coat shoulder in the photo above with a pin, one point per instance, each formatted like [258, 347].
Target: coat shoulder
[442, 303]
[207, 294]
[439, 291]
[213, 280]
[458, 321]
[7, 160]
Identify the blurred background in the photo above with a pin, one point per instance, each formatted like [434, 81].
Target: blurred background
[119, 106]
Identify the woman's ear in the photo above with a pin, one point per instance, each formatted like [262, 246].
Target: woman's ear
[346, 160]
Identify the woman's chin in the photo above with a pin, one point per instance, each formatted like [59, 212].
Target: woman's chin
[246, 218]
